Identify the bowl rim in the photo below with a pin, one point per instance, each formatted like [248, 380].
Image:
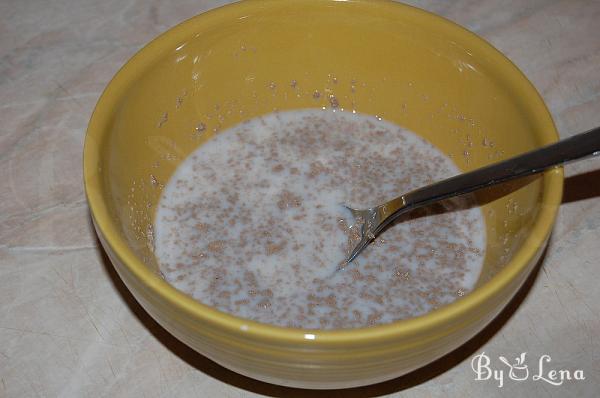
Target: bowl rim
[117, 245]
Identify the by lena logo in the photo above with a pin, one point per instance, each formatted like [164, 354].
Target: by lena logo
[518, 370]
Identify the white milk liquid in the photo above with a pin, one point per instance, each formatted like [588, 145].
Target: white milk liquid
[251, 223]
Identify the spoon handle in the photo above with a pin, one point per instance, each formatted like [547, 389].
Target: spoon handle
[574, 148]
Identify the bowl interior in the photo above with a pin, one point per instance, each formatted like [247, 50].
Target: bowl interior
[239, 62]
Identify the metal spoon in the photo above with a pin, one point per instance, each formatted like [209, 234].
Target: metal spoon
[373, 220]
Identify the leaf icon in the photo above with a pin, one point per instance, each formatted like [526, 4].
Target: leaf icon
[503, 359]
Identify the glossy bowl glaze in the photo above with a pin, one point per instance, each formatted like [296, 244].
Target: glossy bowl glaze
[381, 58]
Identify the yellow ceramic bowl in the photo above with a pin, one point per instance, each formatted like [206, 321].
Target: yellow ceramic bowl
[380, 58]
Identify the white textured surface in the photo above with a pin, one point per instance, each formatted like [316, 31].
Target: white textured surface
[69, 328]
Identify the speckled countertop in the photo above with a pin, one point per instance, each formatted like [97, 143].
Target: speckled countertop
[68, 326]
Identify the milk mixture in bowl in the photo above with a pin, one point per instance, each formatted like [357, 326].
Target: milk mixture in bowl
[251, 223]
